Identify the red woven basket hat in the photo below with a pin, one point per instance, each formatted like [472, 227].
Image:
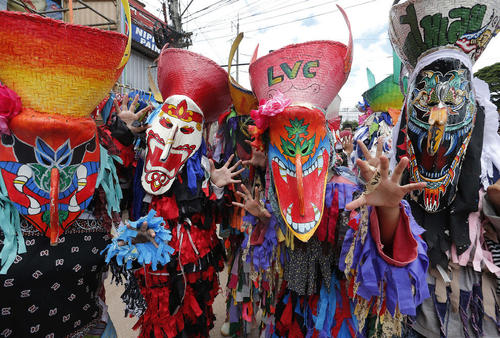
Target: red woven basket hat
[306, 73]
[181, 72]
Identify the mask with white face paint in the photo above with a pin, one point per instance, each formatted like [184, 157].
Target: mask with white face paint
[174, 136]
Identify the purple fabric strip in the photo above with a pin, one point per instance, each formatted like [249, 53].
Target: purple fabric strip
[373, 270]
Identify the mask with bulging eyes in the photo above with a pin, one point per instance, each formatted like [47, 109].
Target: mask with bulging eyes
[441, 117]
[174, 136]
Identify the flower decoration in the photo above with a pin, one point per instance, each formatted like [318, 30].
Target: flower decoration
[151, 252]
[10, 106]
[267, 109]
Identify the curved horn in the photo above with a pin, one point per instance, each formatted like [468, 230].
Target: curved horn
[243, 99]
[348, 54]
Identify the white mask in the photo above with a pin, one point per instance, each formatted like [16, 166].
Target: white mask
[174, 136]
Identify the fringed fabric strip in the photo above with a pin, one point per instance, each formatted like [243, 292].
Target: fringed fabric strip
[144, 253]
[373, 279]
[108, 179]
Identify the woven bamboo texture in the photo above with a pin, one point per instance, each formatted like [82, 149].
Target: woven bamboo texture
[55, 67]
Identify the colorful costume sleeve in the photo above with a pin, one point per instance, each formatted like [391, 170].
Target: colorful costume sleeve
[380, 283]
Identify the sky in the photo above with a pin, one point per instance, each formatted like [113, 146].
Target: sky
[276, 23]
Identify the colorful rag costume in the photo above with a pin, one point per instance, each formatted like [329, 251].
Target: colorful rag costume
[448, 130]
[58, 183]
[320, 269]
[173, 296]
[381, 108]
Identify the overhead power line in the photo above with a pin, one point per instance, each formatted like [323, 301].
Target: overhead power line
[296, 20]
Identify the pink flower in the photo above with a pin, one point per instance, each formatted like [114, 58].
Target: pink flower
[10, 106]
[269, 108]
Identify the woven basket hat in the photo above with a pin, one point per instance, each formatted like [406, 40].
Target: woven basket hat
[306, 73]
[50, 162]
[181, 72]
[420, 27]
[57, 67]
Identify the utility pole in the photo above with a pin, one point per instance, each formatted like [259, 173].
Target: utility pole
[172, 34]
[175, 17]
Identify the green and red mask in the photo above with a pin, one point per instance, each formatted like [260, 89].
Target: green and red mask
[295, 85]
[298, 154]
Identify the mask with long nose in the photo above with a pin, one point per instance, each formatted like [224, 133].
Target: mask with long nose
[441, 116]
[174, 136]
[298, 153]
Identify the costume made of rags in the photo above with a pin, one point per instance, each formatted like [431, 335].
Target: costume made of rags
[59, 190]
[174, 295]
[243, 296]
[448, 130]
[381, 107]
[321, 268]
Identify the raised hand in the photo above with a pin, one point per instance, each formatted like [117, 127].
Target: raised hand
[382, 190]
[347, 144]
[128, 116]
[225, 175]
[251, 203]
[258, 157]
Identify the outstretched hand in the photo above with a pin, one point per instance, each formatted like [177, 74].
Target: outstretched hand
[225, 175]
[258, 157]
[252, 203]
[128, 116]
[348, 145]
[387, 192]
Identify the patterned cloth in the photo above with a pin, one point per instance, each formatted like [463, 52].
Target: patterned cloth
[38, 298]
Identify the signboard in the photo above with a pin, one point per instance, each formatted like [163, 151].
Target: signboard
[144, 38]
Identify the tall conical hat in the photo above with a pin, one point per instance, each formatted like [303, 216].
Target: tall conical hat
[182, 72]
[50, 162]
[310, 73]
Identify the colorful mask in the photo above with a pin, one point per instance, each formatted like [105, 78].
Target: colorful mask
[309, 75]
[50, 162]
[175, 135]
[196, 91]
[440, 119]
[439, 46]
[299, 154]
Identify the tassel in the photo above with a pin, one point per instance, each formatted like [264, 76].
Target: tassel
[108, 179]
[10, 224]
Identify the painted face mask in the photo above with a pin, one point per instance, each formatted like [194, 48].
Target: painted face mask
[441, 114]
[50, 162]
[299, 153]
[299, 82]
[196, 91]
[175, 135]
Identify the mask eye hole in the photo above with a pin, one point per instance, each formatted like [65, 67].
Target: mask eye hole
[187, 130]
[165, 122]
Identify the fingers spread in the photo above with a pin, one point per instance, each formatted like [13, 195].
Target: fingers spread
[399, 169]
[413, 186]
[380, 146]
[365, 169]
[125, 102]
[235, 165]
[238, 172]
[236, 204]
[365, 150]
[117, 106]
[356, 203]
[226, 165]
[384, 166]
